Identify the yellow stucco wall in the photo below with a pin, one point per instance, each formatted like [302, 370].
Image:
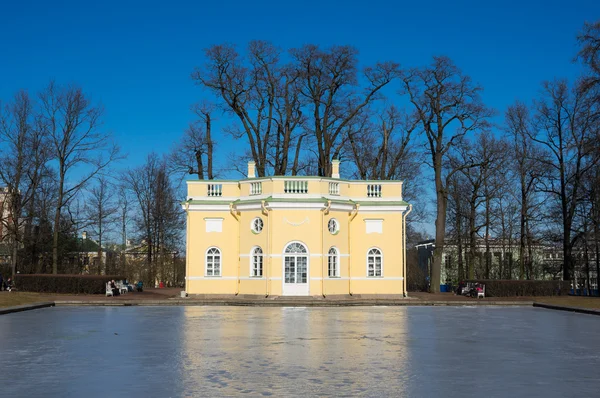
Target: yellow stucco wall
[294, 219]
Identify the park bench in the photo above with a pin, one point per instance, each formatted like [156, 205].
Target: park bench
[471, 290]
[122, 288]
[481, 293]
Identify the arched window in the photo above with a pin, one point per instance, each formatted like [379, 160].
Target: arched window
[295, 248]
[333, 263]
[257, 262]
[213, 262]
[374, 262]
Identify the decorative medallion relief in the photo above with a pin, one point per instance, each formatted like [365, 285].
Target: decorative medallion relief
[297, 224]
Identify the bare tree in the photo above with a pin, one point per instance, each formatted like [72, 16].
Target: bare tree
[589, 39]
[527, 166]
[73, 125]
[329, 82]
[594, 198]
[23, 154]
[261, 93]
[448, 106]
[123, 215]
[474, 196]
[567, 120]
[140, 182]
[493, 158]
[158, 213]
[101, 213]
[383, 150]
[457, 186]
[189, 156]
[481, 189]
[507, 212]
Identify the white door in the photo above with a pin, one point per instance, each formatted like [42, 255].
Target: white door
[295, 270]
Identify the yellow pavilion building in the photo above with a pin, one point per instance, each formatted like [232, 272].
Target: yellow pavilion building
[295, 236]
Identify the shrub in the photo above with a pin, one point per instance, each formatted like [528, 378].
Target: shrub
[5, 271]
[78, 284]
[511, 288]
[416, 279]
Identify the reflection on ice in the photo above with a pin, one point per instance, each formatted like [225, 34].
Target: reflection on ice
[369, 351]
[284, 351]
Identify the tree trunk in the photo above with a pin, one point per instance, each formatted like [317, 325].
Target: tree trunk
[472, 242]
[55, 233]
[596, 221]
[586, 259]
[597, 244]
[530, 255]
[487, 238]
[440, 230]
[459, 233]
[199, 165]
[209, 144]
[522, 255]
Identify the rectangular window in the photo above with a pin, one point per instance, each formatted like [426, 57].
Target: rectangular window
[213, 264]
[377, 266]
[302, 265]
[371, 266]
[217, 270]
[290, 270]
[257, 265]
[333, 266]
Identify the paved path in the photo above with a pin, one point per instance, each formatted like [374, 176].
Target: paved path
[171, 296]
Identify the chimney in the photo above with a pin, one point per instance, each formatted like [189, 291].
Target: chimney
[251, 169]
[84, 235]
[335, 168]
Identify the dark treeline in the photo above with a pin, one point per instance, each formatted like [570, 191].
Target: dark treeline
[531, 178]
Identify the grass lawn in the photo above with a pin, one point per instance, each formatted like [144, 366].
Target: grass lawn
[571, 301]
[11, 299]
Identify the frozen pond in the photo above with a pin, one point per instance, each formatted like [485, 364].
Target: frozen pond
[254, 351]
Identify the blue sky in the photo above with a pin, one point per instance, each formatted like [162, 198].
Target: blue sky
[136, 57]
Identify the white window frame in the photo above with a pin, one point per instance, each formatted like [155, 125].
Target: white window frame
[254, 267]
[380, 255]
[297, 288]
[253, 225]
[335, 257]
[212, 262]
[337, 226]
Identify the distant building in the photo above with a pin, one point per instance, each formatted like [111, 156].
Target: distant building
[5, 216]
[86, 258]
[136, 255]
[547, 261]
[6, 220]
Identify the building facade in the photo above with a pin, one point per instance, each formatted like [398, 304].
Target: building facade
[4, 212]
[295, 236]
